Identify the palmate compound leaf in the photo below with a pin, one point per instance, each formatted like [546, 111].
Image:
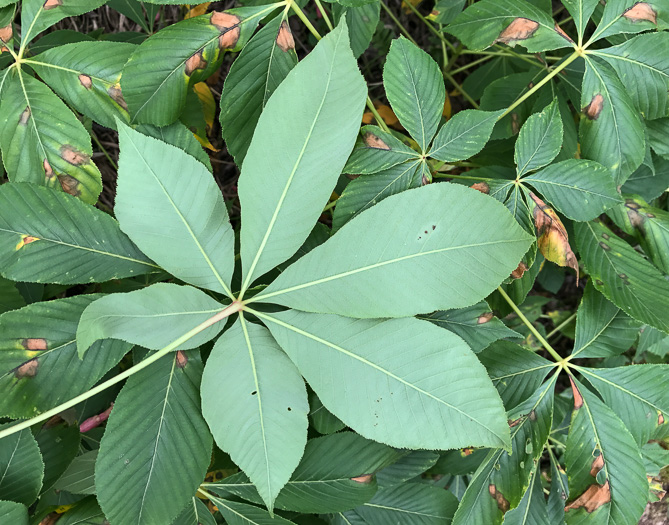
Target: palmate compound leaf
[255, 403]
[607, 481]
[43, 142]
[503, 477]
[415, 89]
[47, 236]
[156, 447]
[186, 228]
[387, 379]
[624, 277]
[157, 76]
[378, 264]
[151, 317]
[39, 366]
[295, 156]
[335, 474]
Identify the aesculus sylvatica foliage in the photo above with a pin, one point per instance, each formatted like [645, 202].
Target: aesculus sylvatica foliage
[437, 292]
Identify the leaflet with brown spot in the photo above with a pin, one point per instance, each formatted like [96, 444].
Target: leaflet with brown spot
[564, 35]
[364, 479]
[228, 25]
[52, 4]
[26, 239]
[519, 29]
[48, 170]
[25, 116]
[597, 465]
[375, 142]
[593, 109]
[660, 418]
[552, 238]
[514, 422]
[594, 497]
[635, 217]
[27, 369]
[73, 156]
[69, 184]
[285, 39]
[86, 81]
[484, 318]
[6, 33]
[502, 502]
[520, 270]
[181, 359]
[641, 11]
[483, 187]
[34, 343]
[115, 94]
[578, 398]
[196, 61]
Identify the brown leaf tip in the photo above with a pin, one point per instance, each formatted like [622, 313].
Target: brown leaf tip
[519, 29]
[228, 25]
[373, 141]
[641, 11]
[196, 61]
[483, 187]
[578, 398]
[73, 156]
[593, 109]
[502, 502]
[484, 318]
[364, 479]
[25, 116]
[285, 39]
[594, 497]
[181, 358]
[116, 95]
[27, 369]
[6, 33]
[51, 4]
[86, 81]
[564, 35]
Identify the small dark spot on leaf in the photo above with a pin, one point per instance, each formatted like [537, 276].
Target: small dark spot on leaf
[25, 116]
[622, 275]
[51, 4]
[434, 227]
[425, 231]
[502, 502]
[69, 184]
[604, 246]
[254, 392]
[532, 415]
[641, 11]
[519, 29]
[650, 215]
[116, 95]
[85, 81]
[289, 409]
[515, 123]
[285, 39]
[27, 369]
[599, 283]
[606, 236]
[593, 109]
[73, 156]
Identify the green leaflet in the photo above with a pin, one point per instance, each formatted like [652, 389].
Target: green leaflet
[625, 16]
[637, 394]
[581, 11]
[372, 355]
[409, 466]
[607, 482]
[361, 21]
[376, 150]
[644, 62]
[39, 366]
[151, 317]
[611, 131]
[335, 474]
[86, 511]
[79, 477]
[37, 15]
[510, 22]
[155, 416]
[516, 372]
[580, 189]
[464, 135]
[294, 156]
[261, 66]
[10, 297]
[415, 89]
[539, 140]
[236, 513]
[178, 135]
[157, 75]
[195, 513]
[47, 145]
[475, 324]
[189, 211]
[251, 386]
[48, 236]
[376, 264]
[502, 479]
[13, 512]
[602, 330]
[59, 445]
[622, 275]
[21, 467]
[87, 76]
[532, 509]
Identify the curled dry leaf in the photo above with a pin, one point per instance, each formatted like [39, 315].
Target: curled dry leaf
[284, 39]
[553, 240]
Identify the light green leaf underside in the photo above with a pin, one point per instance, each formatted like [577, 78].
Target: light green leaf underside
[186, 229]
[39, 365]
[376, 264]
[251, 386]
[45, 143]
[295, 156]
[75, 243]
[400, 392]
[151, 317]
[156, 447]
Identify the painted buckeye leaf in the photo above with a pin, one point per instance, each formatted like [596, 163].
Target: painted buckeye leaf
[464, 135]
[250, 385]
[409, 370]
[156, 446]
[624, 277]
[156, 77]
[539, 140]
[151, 317]
[87, 76]
[47, 236]
[295, 155]
[415, 89]
[45, 144]
[39, 365]
[261, 66]
[377, 263]
[510, 22]
[186, 229]
[37, 15]
[607, 481]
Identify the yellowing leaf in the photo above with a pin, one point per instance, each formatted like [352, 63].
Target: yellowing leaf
[197, 10]
[406, 7]
[386, 114]
[448, 109]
